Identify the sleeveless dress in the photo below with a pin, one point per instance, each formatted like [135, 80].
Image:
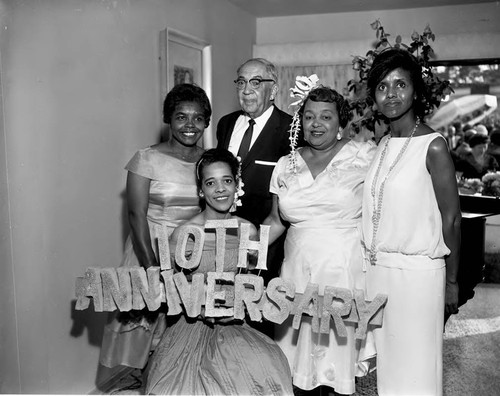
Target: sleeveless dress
[173, 198]
[196, 357]
[410, 269]
[323, 246]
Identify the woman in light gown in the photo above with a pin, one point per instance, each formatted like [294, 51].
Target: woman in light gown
[411, 231]
[207, 356]
[161, 189]
[317, 196]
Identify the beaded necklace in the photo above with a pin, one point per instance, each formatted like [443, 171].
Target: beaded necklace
[377, 201]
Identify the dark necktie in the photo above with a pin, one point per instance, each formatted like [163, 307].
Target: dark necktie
[245, 142]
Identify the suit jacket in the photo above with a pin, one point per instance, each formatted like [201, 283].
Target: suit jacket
[271, 144]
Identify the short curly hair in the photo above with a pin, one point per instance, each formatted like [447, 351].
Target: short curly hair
[329, 95]
[186, 93]
[396, 58]
[214, 155]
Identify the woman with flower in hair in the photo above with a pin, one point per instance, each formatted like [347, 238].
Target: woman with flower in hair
[411, 231]
[317, 197]
[216, 356]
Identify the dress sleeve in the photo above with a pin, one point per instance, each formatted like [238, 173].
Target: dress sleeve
[273, 184]
[367, 152]
[142, 164]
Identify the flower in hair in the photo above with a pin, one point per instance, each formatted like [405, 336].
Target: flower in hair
[239, 188]
[303, 86]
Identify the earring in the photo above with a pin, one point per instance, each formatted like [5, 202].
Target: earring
[201, 194]
[339, 135]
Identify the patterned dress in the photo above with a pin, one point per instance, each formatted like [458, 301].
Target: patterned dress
[323, 246]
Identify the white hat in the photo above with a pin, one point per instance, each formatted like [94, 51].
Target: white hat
[481, 129]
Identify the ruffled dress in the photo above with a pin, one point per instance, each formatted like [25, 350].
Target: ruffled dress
[323, 246]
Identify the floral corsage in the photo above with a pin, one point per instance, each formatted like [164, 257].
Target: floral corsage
[239, 189]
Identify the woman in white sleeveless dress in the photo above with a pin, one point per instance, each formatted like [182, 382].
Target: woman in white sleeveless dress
[411, 232]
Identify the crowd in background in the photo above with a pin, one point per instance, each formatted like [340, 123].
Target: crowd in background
[475, 149]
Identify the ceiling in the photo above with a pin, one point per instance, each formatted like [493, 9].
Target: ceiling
[274, 8]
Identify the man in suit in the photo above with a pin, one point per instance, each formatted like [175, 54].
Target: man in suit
[259, 145]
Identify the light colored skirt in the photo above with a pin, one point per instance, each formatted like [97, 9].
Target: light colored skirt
[410, 342]
[327, 255]
[196, 358]
[130, 343]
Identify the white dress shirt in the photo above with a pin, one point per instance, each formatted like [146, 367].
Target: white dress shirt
[241, 126]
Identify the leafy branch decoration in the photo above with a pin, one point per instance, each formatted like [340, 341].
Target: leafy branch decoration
[363, 106]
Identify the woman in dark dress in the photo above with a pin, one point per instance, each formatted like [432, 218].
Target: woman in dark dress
[478, 162]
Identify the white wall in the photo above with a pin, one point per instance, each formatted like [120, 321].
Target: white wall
[463, 31]
[80, 89]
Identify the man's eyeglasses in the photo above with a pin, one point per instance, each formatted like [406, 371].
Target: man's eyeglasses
[254, 82]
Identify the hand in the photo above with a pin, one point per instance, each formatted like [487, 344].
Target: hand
[221, 320]
[451, 298]
[227, 320]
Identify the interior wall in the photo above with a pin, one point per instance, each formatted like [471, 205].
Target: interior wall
[8, 331]
[80, 82]
[462, 31]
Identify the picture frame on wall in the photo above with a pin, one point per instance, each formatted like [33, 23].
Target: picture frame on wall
[185, 59]
[183, 75]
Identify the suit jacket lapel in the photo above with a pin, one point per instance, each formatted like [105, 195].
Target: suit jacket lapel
[230, 128]
[265, 137]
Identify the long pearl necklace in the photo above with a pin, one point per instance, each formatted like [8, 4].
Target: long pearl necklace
[378, 200]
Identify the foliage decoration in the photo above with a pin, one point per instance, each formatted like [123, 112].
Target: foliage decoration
[363, 106]
[491, 184]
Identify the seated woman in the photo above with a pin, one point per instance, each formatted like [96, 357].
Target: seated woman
[477, 163]
[206, 356]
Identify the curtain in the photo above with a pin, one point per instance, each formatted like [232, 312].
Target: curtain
[333, 76]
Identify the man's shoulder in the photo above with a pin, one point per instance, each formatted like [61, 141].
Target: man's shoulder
[231, 116]
[226, 124]
[280, 121]
[282, 115]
